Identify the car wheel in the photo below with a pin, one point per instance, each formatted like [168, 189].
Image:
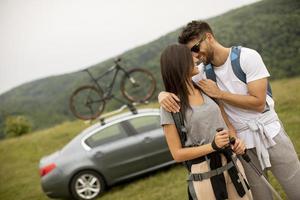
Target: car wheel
[87, 185]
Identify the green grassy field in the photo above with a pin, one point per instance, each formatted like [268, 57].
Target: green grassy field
[19, 157]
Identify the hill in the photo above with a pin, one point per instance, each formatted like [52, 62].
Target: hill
[20, 156]
[271, 26]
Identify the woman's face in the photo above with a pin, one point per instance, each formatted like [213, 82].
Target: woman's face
[195, 69]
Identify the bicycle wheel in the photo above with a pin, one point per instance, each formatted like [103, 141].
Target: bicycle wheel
[138, 85]
[87, 102]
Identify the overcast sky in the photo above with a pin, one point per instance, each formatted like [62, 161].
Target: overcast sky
[39, 38]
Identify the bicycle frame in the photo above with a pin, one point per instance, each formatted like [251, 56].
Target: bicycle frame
[88, 101]
[108, 92]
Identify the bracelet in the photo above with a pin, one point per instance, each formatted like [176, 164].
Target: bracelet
[214, 146]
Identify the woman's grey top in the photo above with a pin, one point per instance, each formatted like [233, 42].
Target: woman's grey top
[201, 121]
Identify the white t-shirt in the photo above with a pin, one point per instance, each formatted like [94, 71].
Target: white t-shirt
[254, 68]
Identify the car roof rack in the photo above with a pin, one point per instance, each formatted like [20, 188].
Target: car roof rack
[130, 106]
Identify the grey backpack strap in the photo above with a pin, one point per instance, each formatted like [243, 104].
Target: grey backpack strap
[191, 191]
[179, 123]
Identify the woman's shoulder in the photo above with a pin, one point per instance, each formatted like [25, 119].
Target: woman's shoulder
[205, 96]
[209, 100]
[165, 117]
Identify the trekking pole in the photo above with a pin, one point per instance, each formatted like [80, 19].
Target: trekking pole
[258, 172]
[241, 178]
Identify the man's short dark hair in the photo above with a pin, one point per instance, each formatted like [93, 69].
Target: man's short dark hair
[192, 30]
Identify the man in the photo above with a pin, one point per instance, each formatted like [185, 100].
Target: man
[249, 109]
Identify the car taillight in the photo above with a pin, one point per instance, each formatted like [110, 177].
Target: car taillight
[46, 169]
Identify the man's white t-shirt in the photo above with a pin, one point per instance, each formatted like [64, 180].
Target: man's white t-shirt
[255, 69]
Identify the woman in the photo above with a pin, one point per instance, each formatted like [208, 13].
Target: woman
[204, 149]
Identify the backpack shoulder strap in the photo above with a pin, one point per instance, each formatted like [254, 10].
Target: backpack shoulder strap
[269, 90]
[237, 69]
[235, 63]
[179, 123]
[209, 72]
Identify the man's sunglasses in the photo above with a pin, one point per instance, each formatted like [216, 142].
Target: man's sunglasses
[196, 47]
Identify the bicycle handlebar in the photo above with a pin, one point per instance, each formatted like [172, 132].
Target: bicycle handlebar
[117, 60]
[83, 70]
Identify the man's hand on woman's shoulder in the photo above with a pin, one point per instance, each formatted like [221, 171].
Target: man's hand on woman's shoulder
[169, 101]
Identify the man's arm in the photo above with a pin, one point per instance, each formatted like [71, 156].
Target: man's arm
[255, 100]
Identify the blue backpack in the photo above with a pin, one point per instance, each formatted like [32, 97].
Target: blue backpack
[236, 67]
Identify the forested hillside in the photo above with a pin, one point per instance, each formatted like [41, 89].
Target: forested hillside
[272, 27]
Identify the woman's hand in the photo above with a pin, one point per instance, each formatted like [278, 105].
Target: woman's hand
[239, 147]
[222, 138]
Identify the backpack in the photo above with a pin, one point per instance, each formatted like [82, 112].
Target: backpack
[236, 67]
[182, 132]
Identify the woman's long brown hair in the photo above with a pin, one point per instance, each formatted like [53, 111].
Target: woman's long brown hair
[176, 64]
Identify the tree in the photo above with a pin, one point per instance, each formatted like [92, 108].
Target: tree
[16, 126]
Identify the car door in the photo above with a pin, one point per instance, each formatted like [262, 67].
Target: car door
[116, 152]
[149, 131]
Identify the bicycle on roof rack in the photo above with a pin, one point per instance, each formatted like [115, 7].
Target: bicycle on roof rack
[137, 85]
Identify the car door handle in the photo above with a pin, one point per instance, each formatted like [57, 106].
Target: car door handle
[147, 139]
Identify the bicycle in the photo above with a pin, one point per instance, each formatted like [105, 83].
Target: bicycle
[137, 85]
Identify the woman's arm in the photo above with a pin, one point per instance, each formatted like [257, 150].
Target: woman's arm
[182, 154]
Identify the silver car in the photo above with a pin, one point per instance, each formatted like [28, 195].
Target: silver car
[126, 146]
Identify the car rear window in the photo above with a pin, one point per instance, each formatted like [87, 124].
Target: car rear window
[145, 123]
[106, 135]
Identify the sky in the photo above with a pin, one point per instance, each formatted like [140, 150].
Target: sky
[41, 38]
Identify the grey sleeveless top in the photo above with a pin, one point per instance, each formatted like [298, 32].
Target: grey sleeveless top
[201, 121]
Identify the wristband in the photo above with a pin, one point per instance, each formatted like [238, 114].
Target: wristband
[214, 146]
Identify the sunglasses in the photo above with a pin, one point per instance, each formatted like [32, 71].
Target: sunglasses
[196, 47]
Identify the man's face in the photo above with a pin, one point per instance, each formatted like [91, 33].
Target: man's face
[201, 49]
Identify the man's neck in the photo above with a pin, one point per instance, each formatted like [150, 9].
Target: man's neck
[221, 54]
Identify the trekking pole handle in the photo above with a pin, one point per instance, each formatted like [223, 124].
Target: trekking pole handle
[219, 129]
[213, 144]
[245, 155]
[232, 141]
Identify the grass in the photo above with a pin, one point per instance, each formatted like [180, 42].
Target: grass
[19, 157]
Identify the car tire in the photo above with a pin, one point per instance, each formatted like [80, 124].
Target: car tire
[87, 185]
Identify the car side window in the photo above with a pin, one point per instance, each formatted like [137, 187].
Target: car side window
[145, 123]
[109, 134]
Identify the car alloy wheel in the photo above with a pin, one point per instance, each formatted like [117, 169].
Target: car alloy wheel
[87, 185]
